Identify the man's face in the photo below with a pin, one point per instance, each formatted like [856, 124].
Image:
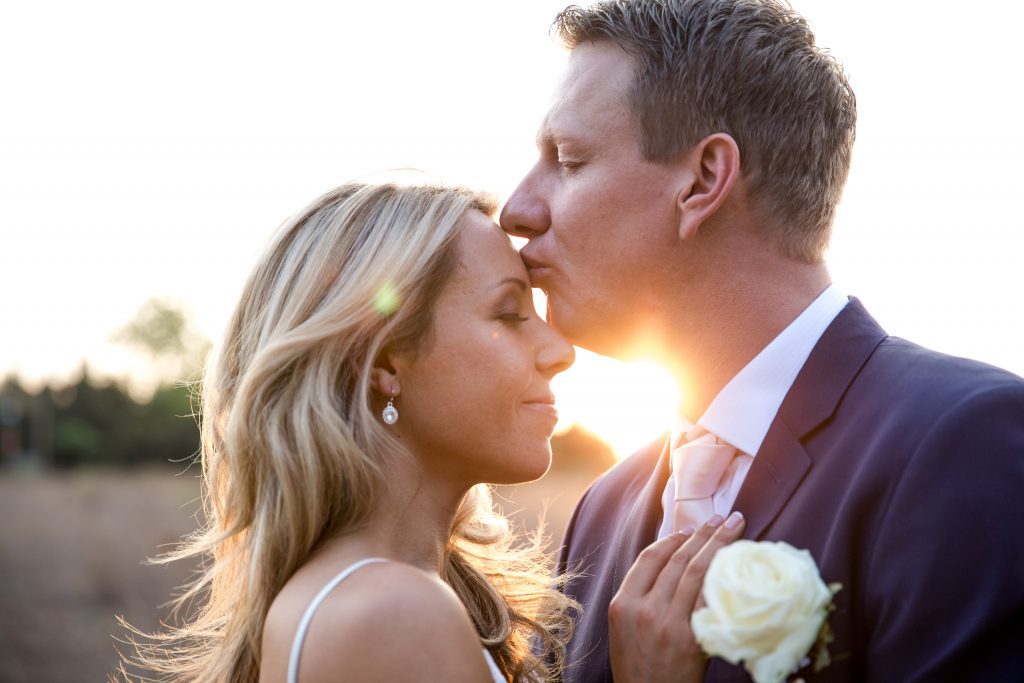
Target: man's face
[600, 218]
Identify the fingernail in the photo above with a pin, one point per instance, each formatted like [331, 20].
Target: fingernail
[688, 531]
[716, 520]
[734, 520]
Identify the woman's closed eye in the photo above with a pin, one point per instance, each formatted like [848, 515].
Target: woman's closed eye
[513, 317]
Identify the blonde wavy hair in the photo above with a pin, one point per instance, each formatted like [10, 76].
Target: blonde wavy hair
[293, 450]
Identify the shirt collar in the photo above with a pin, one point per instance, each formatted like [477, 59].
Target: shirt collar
[745, 408]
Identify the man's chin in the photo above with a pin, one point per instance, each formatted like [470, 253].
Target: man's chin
[578, 330]
[590, 333]
[554, 318]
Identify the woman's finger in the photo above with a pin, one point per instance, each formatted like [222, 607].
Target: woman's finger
[649, 565]
[688, 587]
[665, 585]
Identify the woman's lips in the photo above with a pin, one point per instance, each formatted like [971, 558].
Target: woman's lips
[545, 404]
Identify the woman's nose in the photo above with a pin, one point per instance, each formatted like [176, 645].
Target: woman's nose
[554, 354]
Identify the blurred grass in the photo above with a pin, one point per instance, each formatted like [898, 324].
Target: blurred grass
[73, 547]
[71, 550]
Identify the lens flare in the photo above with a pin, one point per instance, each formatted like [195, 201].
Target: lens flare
[386, 299]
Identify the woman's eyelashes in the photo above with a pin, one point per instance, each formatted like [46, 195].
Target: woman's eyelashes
[512, 310]
[516, 306]
[513, 317]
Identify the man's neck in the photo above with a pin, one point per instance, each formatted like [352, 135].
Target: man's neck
[709, 344]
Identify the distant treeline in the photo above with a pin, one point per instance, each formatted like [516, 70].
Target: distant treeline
[88, 423]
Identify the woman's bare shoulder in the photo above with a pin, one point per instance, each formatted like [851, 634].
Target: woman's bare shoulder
[386, 621]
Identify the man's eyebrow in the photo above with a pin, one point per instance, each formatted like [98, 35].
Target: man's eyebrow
[519, 282]
[546, 137]
[543, 139]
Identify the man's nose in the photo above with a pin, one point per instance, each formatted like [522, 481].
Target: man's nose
[526, 213]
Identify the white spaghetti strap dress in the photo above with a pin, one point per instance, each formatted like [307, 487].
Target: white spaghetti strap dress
[300, 634]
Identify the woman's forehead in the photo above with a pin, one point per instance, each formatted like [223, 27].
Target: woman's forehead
[486, 253]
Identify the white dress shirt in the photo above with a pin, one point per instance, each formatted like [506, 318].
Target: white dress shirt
[745, 408]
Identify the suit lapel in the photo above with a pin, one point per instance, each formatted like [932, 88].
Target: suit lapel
[782, 462]
[640, 525]
[779, 467]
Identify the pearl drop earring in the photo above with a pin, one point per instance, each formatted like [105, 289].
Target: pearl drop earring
[390, 414]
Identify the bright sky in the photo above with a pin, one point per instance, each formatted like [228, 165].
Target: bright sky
[150, 149]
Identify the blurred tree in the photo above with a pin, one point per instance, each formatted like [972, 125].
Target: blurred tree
[13, 422]
[163, 332]
[92, 423]
[158, 328]
[86, 423]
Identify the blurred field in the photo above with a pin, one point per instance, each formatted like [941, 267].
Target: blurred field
[72, 548]
[71, 551]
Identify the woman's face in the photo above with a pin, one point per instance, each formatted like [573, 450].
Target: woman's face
[476, 405]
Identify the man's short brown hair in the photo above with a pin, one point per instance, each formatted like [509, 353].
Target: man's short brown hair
[748, 68]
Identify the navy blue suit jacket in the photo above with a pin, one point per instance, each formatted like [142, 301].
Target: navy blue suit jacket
[901, 470]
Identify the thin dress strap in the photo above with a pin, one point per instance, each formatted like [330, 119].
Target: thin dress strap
[300, 634]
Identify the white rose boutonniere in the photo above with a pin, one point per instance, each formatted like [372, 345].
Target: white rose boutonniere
[766, 607]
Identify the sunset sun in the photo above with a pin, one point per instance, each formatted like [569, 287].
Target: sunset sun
[626, 405]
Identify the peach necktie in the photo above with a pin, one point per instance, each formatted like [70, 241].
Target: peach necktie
[700, 466]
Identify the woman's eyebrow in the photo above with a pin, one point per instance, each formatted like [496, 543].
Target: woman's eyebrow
[522, 284]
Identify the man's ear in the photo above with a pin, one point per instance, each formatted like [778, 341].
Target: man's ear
[714, 165]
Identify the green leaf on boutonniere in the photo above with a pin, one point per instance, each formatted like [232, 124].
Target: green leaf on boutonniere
[825, 637]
